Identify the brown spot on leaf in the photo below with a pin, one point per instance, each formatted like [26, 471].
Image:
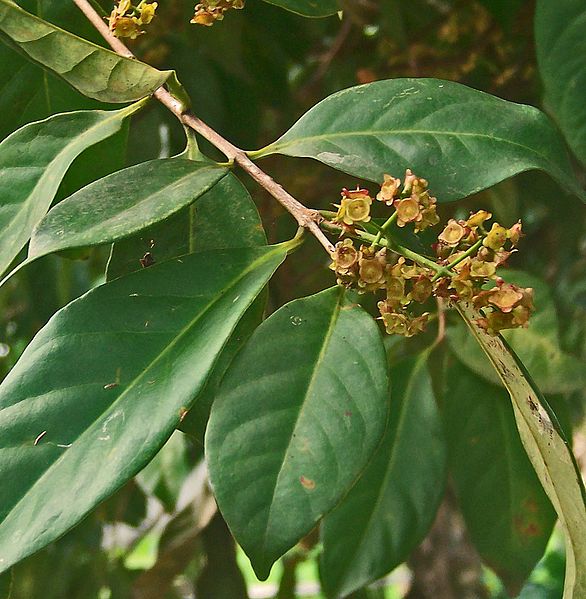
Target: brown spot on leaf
[307, 483]
[182, 413]
[348, 413]
[532, 404]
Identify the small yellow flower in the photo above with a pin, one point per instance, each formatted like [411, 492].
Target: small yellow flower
[452, 234]
[355, 207]
[147, 12]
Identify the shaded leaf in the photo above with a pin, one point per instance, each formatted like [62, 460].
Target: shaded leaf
[92, 70]
[106, 381]
[297, 418]
[33, 161]
[439, 129]
[308, 8]
[538, 346]
[220, 578]
[507, 513]
[560, 35]
[123, 203]
[547, 448]
[393, 505]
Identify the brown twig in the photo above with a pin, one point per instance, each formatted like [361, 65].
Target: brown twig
[307, 218]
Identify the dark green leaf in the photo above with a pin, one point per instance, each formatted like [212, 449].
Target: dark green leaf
[309, 8]
[123, 203]
[298, 416]
[460, 139]
[547, 448]
[507, 513]
[92, 70]
[221, 578]
[391, 508]
[34, 159]
[224, 217]
[106, 381]
[560, 35]
[538, 346]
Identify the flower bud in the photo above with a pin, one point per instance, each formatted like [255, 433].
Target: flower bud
[495, 238]
[478, 218]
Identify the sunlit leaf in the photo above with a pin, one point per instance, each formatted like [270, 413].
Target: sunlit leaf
[33, 161]
[460, 139]
[92, 70]
[123, 203]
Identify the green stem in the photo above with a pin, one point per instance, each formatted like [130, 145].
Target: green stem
[383, 229]
[469, 252]
[393, 246]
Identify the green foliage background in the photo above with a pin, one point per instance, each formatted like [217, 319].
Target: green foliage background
[251, 77]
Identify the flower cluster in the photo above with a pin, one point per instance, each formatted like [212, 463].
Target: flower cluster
[126, 20]
[210, 11]
[411, 201]
[467, 258]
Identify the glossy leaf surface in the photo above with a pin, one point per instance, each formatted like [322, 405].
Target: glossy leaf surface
[123, 203]
[538, 346]
[560, 35]
[92, 70]
[106, 381]
[309, 8]
[298, 416]
[507, 513]
[392, 506]
[33, 161]
[440, 129]
[547, 449]
[224, 217]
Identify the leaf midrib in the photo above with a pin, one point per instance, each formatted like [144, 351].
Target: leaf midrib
[277, 147]
[323, 349]
[102, 224]
[111, 407]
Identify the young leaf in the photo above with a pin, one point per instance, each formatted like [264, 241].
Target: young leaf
[309, 8]
[33, 161]
[92, 70]
[458, 138]
[507, 513]
[538, 346]
[106, 381]
[390, 509]
[546, 447]
[560, 35]
[123, 203]
[298, 416]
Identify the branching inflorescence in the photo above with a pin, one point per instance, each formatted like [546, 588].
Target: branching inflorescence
[467, 257]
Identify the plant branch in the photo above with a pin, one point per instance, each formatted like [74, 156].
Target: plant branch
[306, 218]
